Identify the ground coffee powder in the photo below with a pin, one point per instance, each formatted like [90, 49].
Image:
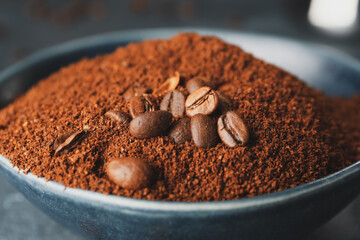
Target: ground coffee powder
[297, 134]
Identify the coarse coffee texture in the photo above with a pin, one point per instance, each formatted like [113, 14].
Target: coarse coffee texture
[297, 134]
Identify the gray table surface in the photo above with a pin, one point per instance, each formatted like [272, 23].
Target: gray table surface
[24, 30]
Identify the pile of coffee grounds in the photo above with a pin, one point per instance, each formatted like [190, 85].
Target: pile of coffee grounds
[297, 134]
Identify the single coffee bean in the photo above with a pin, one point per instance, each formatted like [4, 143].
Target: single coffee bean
[203, 131]
[202, 101]
[150, 124]
[195, 83]
[119, 116]
[198, 82]
[130, 173]
[232, 129]
[141, 104]
[224, 104]
[67, 141]
[226, 88]
[174, 102]
[180, 131]
[135, 91]
[169, 85]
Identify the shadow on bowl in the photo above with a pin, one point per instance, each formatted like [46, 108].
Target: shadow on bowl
[288, 214]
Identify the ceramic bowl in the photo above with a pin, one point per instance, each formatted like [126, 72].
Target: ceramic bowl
[288, 214]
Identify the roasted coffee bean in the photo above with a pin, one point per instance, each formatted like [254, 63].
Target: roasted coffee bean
[202, 101]
[180, 131]
[130, 173]
[197, 82]
[150, 124]
[203, 131]
[169, 85]
[135, 91]
[226, 88]
[119, 116]
[232, 129]
[141, 104]
[224, 104]
[174, 102]
[67, 141]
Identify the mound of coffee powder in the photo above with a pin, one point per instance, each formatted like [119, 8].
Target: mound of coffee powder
[68, 128]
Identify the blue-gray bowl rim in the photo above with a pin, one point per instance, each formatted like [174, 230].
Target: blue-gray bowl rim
[276, 198]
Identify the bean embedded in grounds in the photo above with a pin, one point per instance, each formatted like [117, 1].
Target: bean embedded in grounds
[195, 83]
[141, 104]
[130, 172]
[169, 85]
[135, 91]
[150, 124]
[119, 116]
[203, 131]
[202, 101]
[232, 129]
[224, 104]
[67, 141]
[180, 131]
[174, 102]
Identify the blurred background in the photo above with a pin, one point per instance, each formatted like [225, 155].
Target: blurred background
[27, 26]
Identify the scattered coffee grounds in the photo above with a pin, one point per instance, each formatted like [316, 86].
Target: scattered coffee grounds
[295, 134]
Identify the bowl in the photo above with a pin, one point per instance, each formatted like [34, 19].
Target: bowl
[287, 214]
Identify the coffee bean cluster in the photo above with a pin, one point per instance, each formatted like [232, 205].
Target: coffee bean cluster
[181, 117]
